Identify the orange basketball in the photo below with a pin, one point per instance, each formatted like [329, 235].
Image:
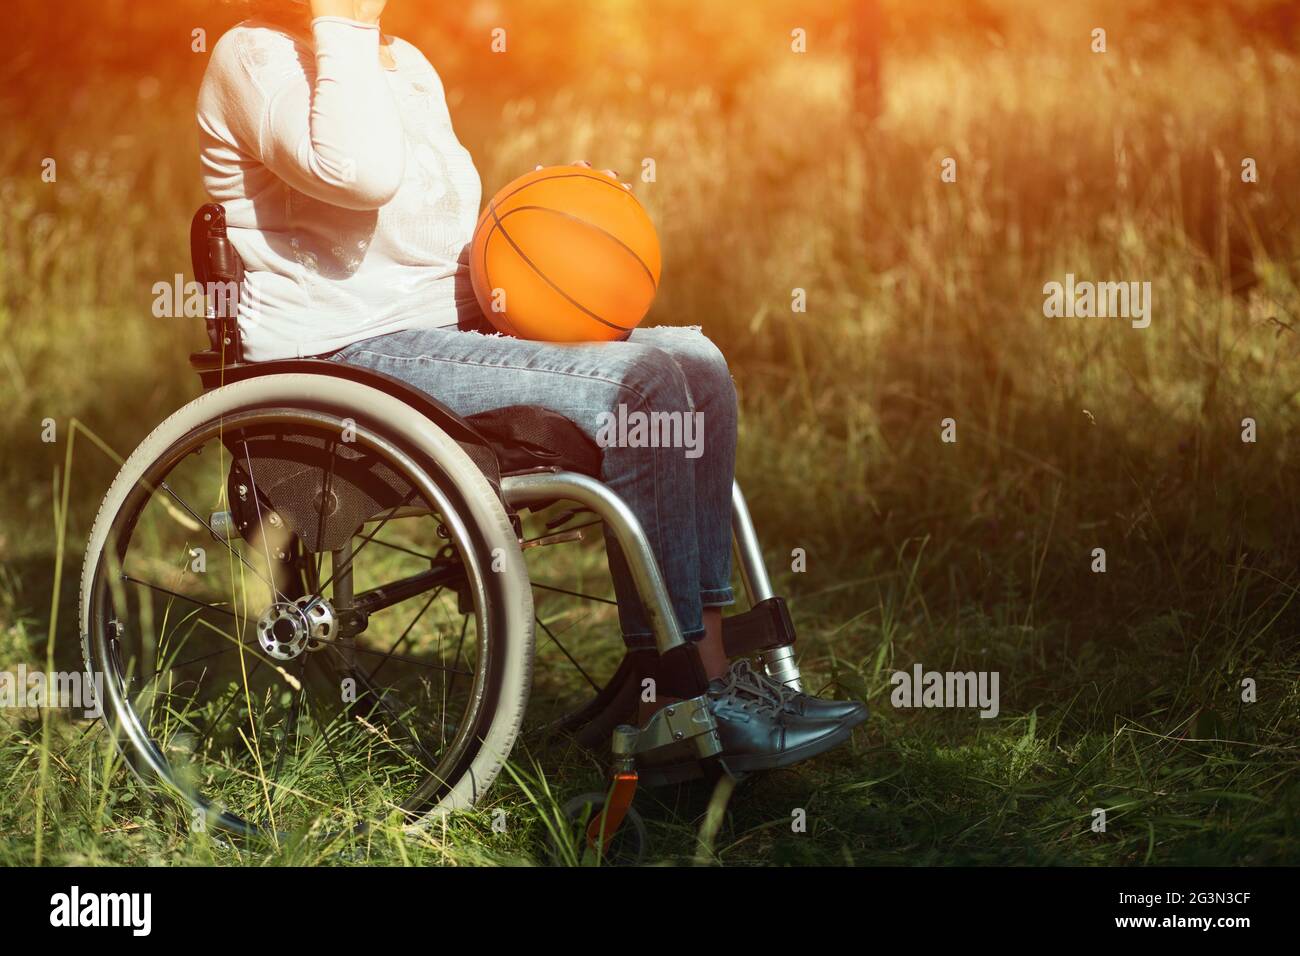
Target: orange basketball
[565, 254]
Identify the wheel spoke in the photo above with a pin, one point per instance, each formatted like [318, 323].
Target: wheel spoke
[327, 490]
[347, 565]
[464, 626]
[382, 701]
[177, 594]
[257, 505]
[396, 644]
[336, 643]
[572, 660]
[334, 759]
[292, 729]
[242, 560]
[577, 594]
[431, 558]
[234, 696]
[201, 657]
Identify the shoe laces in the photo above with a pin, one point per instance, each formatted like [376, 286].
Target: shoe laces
[743, 689]
[757, 686]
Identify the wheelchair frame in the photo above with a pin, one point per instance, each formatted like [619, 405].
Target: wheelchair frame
[682, 737]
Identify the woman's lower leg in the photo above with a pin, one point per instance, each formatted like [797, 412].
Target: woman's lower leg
[712, 654]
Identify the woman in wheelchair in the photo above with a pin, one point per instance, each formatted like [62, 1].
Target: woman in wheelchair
[351, 203]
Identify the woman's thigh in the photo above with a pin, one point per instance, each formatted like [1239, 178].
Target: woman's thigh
[472, 373]
[710, 393]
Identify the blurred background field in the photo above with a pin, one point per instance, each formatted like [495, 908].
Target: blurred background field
[924, 302]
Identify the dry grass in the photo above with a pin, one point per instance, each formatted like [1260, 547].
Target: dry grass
[924, 302]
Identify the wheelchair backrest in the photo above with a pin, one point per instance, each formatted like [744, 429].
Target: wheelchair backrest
[219, 271]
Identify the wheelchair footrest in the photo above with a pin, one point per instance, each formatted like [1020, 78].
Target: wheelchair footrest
[764, 626]
[681, 734]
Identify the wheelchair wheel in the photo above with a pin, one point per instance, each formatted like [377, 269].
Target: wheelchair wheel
[310, 610]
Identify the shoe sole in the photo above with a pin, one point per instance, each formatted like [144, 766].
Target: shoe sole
[660, 776]
[857, 718]
[853, 718]
[745, 763]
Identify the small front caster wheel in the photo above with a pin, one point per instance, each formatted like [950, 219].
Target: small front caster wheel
[585, 818]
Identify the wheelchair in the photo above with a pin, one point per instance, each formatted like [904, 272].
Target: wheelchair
[307, 595]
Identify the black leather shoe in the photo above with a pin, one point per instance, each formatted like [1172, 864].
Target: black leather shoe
[848, 712]
[758, 734]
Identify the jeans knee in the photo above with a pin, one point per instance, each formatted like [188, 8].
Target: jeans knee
[711, 356]
[712, 387]
[653, 380]
[707, 374]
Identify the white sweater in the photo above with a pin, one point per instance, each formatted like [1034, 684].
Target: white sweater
[346, 191]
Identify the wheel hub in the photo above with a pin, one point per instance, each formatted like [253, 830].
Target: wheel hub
[288, 628]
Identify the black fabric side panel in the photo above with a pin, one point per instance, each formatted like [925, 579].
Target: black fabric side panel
[527, 436]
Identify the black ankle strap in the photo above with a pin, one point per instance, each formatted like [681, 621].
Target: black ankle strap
[766, 625]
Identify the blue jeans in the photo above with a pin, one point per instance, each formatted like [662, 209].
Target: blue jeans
[682, 495]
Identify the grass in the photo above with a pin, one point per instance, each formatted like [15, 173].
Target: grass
[1120, 691]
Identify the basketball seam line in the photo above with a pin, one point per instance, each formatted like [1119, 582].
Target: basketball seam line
[492, 208]
[604, 180]
[591, 225]
[487, 273]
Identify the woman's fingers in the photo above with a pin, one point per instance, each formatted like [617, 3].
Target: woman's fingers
[586, 164]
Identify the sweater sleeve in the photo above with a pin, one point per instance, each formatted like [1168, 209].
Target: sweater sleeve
[338, 139]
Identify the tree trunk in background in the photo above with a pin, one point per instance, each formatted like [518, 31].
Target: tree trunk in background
[865, 28]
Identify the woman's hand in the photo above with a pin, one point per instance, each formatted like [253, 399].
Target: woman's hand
[365, 11]
[611, 173]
